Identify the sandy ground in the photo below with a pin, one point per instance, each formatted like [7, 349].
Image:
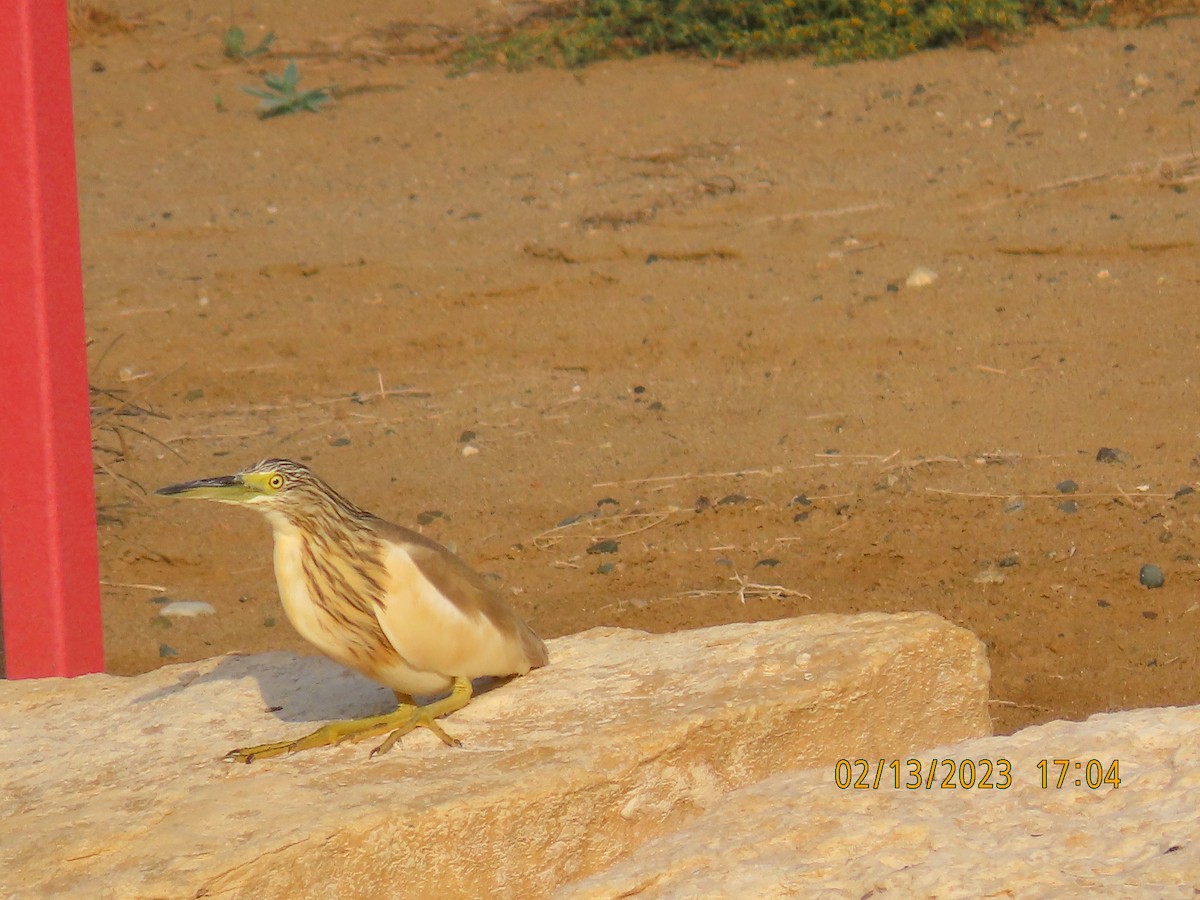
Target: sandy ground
[666, 302]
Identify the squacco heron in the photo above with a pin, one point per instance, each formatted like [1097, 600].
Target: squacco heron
[385, 601]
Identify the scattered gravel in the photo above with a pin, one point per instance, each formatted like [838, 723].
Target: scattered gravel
[990, 576]
[920, 277]
[187, 609]
[1151, 576]
[1112, 455]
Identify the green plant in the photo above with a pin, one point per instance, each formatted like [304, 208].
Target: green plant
[831, 30]
[235, 44]
[281, 95]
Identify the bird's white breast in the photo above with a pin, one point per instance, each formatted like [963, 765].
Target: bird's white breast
[305, 615]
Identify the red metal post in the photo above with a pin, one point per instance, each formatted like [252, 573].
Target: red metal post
[49, 584]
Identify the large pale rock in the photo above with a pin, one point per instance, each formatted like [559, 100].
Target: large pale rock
[114, 787]
[800, 835]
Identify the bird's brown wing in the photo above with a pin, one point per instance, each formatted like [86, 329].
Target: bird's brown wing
[466, 589]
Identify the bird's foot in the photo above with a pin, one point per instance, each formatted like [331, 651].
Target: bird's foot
[426, 717]
[395, 725]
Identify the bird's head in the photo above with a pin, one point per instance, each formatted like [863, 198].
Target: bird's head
[271, 485]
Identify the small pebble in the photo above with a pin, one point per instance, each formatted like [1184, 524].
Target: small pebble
[606, 568]
[1070, 507]
[340, 442]
[1184, 491]
[1151, 576]
[187, 609]
[770, 562]
[1009, 561]
[269, 622]
[166, 651]
[1111, 455]
[801, 500]
[609, 546]
[800, 517]
[1016, 504]
[1066, 487]
[607, 501]
[429, 515]
[732, 499]
[1103, 604]
[990, 576]
[1149, 614]
[920, 277]
[470, 450]
[466, 437]
[724, 561]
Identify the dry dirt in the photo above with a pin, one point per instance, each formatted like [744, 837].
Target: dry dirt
[662, 299]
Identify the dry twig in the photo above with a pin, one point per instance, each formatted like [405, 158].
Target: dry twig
[552, 536]
[747, 588]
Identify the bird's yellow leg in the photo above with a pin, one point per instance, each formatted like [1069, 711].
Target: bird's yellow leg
[425, 716]
[404, 719]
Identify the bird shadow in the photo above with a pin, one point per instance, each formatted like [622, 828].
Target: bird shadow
[294, 688]
[300, 688]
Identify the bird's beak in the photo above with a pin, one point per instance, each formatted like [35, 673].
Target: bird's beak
[223, 488]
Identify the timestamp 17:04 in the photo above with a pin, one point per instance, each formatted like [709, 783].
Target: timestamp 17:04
[1092, 773]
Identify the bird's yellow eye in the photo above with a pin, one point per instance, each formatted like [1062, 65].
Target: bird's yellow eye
[275, 482]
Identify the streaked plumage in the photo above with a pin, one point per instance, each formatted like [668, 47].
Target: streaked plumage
[380, 599]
